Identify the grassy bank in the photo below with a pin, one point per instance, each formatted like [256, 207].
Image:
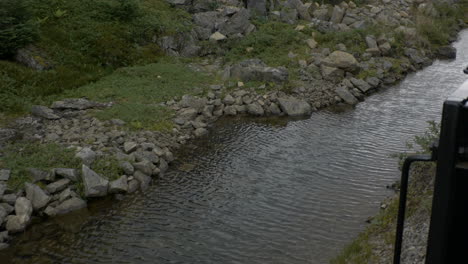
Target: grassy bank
[84, 41]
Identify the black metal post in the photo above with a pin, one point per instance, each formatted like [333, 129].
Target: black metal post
[448, 233]
[402, 203]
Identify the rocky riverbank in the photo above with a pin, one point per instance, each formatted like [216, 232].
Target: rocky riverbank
[327, 77]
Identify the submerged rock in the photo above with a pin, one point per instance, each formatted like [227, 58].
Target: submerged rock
[70, 205]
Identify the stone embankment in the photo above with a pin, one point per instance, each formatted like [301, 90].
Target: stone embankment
[327, 78]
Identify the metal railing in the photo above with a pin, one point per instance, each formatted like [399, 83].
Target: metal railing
[448, 232]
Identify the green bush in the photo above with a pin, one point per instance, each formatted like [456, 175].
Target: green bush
[16, 28]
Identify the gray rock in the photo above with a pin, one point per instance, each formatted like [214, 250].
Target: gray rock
[143, 179]
[87, 155]
[71, 174]
[37, 196]
[163, 166]
[346, 95]
[70, 205]
[9, 198]
[158, 151]
[23, 209]
[58, 186]
[33, 58]
[385, 48]
[447, 52]
[255, 109]
[331, 73]
[373, 81]
[322, 14]
[146, 156]
[230, 110]
[3, 246]
[274, 109]
[301, 9]
[207, 20]
[337, 15]
[361, 84]
[168, 156]
[289, 15]
[76, 104]
[8, 208]
[342, 60]
[119, 186]
[229, 100]
[130, 147]
[65, 194]
[50, 211]
[144, 166]
[185, 115]
[200, 132]
[196, 103]
[44, 112]
[237, 24]
[94, 185]
[133, 186]
[39, 175]
[127, 167]
[371, 42]
[294, 107]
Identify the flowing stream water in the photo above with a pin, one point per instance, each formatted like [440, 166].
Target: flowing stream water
[258, 192]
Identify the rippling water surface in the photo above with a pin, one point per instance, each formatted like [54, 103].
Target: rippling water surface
[293, 192]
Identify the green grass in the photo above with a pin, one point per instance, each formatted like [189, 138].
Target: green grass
[271, 43]
[86, 40]
[138, 91]
[21, 156]
[107, 167]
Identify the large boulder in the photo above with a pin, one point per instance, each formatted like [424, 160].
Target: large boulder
[342, 60]
[294, 107]
[94, 185]
[37, 196]
[237, 24]
[23, 210]
[337, 15]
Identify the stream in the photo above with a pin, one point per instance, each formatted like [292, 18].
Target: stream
[268, 191]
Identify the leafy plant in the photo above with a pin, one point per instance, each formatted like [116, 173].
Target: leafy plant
[16, 27]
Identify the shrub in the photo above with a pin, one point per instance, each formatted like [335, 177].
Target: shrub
[16, 28]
